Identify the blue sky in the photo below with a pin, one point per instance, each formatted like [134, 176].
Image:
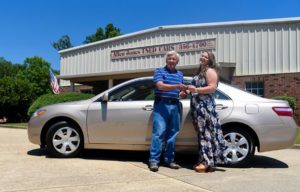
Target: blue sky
[29, 26]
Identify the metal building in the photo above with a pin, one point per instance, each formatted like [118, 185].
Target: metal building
[262, 56]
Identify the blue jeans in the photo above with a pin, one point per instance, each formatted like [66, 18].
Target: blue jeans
[166, 125]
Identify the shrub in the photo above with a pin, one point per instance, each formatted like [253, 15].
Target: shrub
[290, 100]
[49, 99]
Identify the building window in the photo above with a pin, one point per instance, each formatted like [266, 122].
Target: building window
[256, 88]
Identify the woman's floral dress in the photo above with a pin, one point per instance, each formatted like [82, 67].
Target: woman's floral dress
[207, 125]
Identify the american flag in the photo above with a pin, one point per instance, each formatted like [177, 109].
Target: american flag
[54, 83]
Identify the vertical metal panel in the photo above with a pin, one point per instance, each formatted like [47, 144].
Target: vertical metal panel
[260, 59]
[80, 59]
[256, 49]
[251, 51]
[83, 67]
[232, 46]
[239, 51]
[245, 52]
[226, 45]
[97, 60]
[298, 49]
[269, 66]
[293, 48]
[285, 49]
[93, 63]
[278, 49]
[220, 45]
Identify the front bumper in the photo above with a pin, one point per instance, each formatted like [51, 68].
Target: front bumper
[34, 130]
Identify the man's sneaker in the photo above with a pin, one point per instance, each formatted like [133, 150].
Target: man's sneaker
[153, 167]
[173, 165]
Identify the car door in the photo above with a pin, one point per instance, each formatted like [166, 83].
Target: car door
[224, 105]
[126, 118]
[187, 136]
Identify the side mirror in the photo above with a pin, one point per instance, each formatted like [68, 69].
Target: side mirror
[105, 97]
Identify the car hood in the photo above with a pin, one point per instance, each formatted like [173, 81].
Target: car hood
[76, 102]
[72, 103]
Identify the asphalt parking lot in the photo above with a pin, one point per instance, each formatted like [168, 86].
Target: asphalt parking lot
[25, 167]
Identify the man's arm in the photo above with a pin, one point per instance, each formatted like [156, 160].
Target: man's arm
[166, 87]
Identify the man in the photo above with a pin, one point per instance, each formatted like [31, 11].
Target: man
[166, 115]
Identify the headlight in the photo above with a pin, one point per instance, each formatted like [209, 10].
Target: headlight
[39, 113]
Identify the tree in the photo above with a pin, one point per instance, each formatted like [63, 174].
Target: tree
[63, 43]
[36, 70]
[20, 85]
[110, 31]
[15, 98]
[7, 69]
[99, 35]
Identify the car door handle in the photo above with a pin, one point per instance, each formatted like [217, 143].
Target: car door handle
[221, 107]
[148, 108]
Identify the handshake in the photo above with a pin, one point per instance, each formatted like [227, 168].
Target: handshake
[187, 88]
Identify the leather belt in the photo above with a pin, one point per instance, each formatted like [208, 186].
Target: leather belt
[166, 99]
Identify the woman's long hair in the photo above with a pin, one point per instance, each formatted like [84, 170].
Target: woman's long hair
[211, 64]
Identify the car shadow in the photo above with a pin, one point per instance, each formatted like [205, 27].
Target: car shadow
[186, 160]
[260, 161]
[38, 152]
[114, 155]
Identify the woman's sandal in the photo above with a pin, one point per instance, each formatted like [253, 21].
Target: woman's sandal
[200, 168]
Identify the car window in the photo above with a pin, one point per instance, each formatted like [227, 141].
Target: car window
[136, 91]
[216, 95]
[219, 95]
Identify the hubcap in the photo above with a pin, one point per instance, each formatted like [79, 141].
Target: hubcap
[66, 140]
[237, 147]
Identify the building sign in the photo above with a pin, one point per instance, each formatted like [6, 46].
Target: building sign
[162, 49]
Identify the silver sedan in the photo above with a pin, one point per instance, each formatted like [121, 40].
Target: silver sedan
[121, 118]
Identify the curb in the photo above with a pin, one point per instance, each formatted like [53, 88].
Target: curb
[296, 146]
[14, 127]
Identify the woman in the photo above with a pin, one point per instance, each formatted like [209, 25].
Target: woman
[205, 118]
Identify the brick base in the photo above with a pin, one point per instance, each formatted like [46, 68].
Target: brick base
[284, 84]
[78, 88]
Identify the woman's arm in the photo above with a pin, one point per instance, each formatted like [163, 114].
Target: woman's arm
[212, 83]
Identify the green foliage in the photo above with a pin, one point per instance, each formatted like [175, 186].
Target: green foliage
[63, 43]
[20, 85]
[110, 31]
[99, 35]
[8, 69]
[15, 98]
[49, 99]
[37, 72]
[298, 136]
[290, 100]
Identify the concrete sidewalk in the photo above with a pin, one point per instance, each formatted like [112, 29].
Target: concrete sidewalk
[25, 167]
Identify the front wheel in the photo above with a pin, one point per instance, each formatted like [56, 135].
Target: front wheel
[240, 147]
[64, 140]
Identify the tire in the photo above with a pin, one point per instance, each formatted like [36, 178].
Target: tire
[240, 147]
[64, 140]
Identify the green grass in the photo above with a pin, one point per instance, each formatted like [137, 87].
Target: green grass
[298, 136]
[17, 125]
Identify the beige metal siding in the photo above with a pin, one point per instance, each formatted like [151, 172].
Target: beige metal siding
[255, 48]
[260, 49]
